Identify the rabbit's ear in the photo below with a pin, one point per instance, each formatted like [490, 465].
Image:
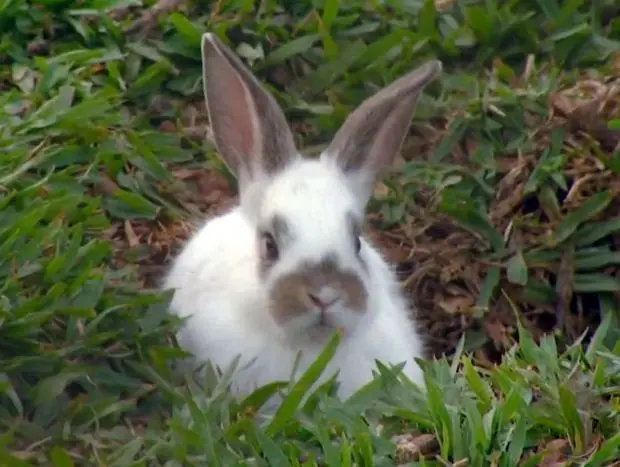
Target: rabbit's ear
[250, 130]
[372, 135]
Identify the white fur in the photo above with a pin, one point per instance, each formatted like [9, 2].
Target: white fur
[217, 287]
[217, 282]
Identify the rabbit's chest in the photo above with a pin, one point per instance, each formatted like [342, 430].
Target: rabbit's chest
[277, 364]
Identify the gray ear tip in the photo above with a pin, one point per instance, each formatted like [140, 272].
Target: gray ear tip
[210, 41]
[209, 37]
[434, 67]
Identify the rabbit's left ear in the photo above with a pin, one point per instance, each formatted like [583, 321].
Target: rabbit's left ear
[372, 135]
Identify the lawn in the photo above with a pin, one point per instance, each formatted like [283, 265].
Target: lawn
[502, 215]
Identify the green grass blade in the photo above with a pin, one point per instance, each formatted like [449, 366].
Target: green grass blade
[291, 402]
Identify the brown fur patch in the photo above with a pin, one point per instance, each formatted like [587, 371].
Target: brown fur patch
[280, 228]
[281, 233]
[290, 293]
[355, 226]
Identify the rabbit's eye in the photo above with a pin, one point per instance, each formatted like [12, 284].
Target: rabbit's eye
[358, 244]
[269, 246]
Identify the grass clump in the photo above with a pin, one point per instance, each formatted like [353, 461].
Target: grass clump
[507, 188]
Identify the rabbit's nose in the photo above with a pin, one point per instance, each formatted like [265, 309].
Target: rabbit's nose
[324, 297]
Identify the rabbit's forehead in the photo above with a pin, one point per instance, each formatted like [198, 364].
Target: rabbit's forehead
[312, 200]
[311, 186]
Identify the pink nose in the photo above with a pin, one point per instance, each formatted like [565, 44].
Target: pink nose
[323, 298]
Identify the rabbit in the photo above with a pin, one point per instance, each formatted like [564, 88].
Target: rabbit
[271, 279]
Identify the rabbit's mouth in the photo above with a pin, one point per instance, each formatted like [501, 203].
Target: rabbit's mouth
[324, 320]
[318, 325]
[325, 324]
[320, 332]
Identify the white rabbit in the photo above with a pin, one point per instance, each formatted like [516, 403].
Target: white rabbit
[279, 273]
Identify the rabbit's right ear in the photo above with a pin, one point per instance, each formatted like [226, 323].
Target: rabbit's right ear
[372, 135]
[250, 130]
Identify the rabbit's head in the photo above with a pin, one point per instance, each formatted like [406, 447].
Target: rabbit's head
[308, 213]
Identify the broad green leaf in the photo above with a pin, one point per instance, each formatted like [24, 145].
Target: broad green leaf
[570, 413]
[589, 233]
[427, 21]
[6, 458]
[596, 259]
[293, 399]
[587, 283]
[517, 269]
[7, 388]
[441, 417]
[51, 387]
[186, 29]
[599, 336]
[472, 219]
[489, 286]
[478, 385]
[345, 454]
[594, 206]
[127, 205]
[550, 163]
[608, 452]
[290, 49]
[61, 458]
[330, 12]
[270, 449]
[517, 440]
[261, 395]
[364, 448]
[323, 77]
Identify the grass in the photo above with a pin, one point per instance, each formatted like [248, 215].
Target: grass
[508, 187]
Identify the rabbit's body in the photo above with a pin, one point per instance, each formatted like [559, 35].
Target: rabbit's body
[277, 275]
[218, 286]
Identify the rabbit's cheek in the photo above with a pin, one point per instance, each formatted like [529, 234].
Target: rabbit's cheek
[354, 293]
[303, 326]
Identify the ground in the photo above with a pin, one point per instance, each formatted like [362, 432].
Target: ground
[501, 215]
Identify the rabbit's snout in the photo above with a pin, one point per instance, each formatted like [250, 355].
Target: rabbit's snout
[318, 291]
[324, 300]
[324, 297]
